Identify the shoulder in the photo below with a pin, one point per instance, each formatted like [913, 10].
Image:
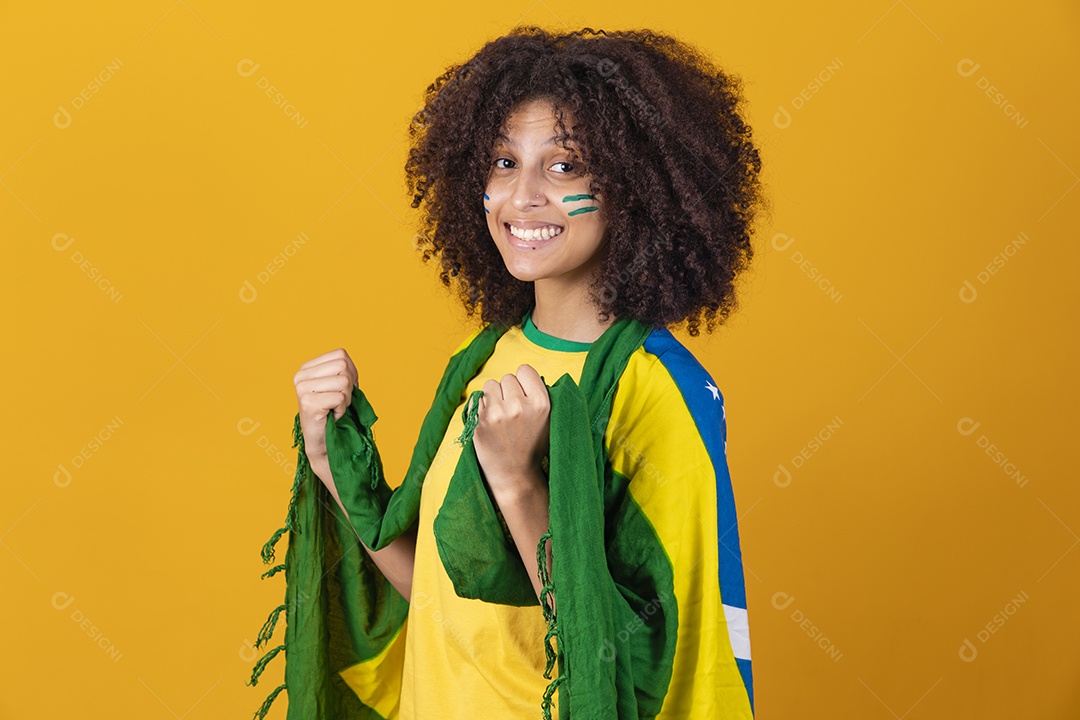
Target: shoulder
[664, 382]
[504, 333]
[667, 416]
[467, 340]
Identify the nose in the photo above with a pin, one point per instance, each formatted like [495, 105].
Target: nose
[528, 190]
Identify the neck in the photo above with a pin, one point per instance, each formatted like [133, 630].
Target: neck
[566, 312]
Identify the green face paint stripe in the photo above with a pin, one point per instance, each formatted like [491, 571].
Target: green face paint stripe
[571, 198]
[583, 210]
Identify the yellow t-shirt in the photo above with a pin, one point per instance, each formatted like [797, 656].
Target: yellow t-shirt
[465, 658]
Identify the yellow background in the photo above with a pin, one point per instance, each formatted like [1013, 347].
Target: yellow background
[871, 563]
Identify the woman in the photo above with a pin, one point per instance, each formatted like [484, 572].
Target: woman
[572, 186]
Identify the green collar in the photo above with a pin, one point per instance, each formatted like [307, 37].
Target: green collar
[550, 341]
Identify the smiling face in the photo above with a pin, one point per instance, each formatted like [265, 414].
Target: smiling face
[547, 226]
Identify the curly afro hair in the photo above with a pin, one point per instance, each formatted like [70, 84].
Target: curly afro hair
[660, 132]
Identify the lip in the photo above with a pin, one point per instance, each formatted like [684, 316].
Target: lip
[530, 244]
[532, 224]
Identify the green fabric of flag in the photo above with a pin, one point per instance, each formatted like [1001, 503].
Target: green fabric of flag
[341, 610]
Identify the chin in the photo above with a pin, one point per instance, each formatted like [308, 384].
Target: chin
[526, 274]
[523, 269]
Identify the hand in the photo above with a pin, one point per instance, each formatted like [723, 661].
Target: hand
[512, 430]
[323, 384]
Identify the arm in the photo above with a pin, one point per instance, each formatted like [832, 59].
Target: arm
[510, 440]
[669, 447]
[524, 505]
[397, 559]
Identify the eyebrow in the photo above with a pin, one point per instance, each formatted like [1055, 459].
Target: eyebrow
[549, 141]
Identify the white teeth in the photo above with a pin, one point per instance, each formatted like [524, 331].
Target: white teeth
[535, 234]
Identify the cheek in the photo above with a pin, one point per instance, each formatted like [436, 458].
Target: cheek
[494, 231]
[587, 239]
[490, 204]
[493, 199]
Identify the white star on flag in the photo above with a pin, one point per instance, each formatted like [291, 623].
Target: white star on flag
[715, 390]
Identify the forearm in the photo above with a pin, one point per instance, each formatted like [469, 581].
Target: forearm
[396, 560]
[525, 509]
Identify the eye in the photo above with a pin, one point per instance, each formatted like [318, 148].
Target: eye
[571, 167]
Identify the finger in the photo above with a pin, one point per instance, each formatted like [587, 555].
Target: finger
[352, 372]
[329, 392]
[318, 404]
[327, 368]
[511, 387]
[493, 390]
[335, 362]
[336, 353]
[531, 382]
[324, 383]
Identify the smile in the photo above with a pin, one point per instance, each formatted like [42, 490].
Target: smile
[532, 238]
[540, 233]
